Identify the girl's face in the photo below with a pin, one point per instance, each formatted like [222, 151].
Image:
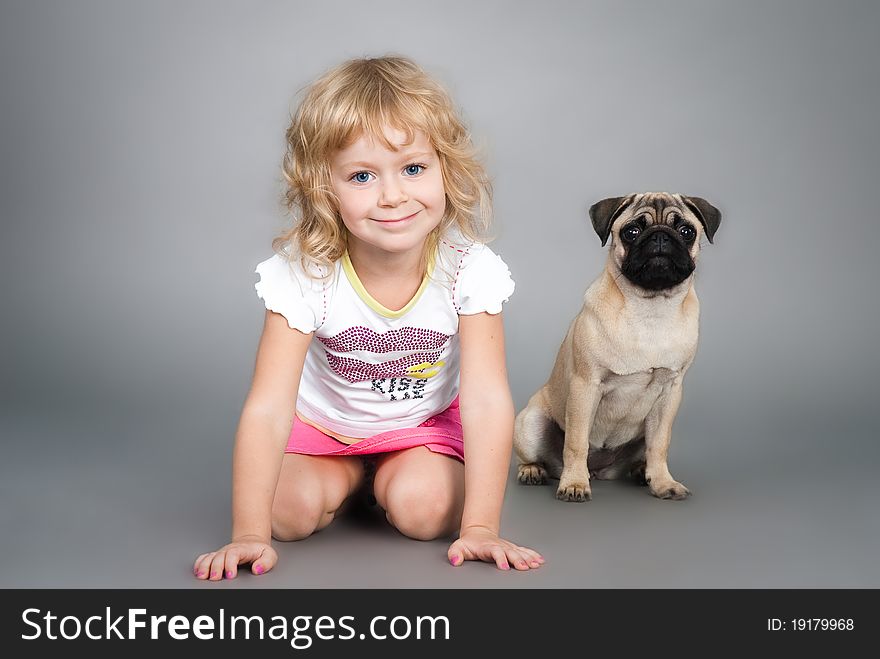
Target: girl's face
[390, 201]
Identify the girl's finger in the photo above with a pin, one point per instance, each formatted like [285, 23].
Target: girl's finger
[455, 554]
[230, 565]
[499, 557]
[265, 562]
[203, 567]
[515, 557]
[216, 569]
[534, 558]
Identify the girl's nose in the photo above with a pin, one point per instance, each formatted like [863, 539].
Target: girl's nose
[392, 194]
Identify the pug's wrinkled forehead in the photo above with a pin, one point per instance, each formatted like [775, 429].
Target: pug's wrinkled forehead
[656, 208]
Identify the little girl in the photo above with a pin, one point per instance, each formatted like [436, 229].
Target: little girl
[382, 355]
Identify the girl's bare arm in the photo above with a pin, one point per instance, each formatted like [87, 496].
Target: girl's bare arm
[263, 429]
[487, 419]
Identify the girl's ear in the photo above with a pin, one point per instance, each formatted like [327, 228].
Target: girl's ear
[604, 213]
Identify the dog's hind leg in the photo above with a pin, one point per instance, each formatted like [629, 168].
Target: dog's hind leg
[624, 461]
[538, 442]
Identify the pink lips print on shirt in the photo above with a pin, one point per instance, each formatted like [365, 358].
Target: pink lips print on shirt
[420, 365]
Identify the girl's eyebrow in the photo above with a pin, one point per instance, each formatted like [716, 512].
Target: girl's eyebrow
[407, 157]
[419, 155]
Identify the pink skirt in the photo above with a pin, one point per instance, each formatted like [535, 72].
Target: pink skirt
[440, 434]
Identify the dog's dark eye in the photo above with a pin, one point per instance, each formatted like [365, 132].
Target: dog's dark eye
[630, 233]
[687, 232]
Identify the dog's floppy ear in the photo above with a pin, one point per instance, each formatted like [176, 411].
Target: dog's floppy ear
[709, 216]
[604, 213]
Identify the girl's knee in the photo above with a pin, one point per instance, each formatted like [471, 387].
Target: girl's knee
[296, 515]
[299, 512]
[420, 511]
[307, 501]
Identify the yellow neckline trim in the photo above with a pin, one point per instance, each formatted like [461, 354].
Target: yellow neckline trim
[374, 304]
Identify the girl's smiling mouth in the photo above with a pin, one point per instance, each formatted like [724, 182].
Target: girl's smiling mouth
[396, 220]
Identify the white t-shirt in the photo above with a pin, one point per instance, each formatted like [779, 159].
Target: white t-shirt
[370, 369]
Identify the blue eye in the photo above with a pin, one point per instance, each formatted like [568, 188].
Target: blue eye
[361, 177]
[413, 170]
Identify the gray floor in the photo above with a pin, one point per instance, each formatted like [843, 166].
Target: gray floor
[109, 498]
[140, 186]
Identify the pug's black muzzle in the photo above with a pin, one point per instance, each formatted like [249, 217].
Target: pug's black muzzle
[658, 259]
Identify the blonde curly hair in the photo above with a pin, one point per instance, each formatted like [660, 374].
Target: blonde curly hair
[362, 97]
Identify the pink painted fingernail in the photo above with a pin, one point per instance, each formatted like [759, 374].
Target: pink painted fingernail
[258, 569]
[229, 574]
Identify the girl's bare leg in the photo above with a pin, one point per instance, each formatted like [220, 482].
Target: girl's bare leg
[311, 489]
[421, 492]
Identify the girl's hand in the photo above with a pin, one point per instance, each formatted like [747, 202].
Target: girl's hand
[225, 561]
[480, 544]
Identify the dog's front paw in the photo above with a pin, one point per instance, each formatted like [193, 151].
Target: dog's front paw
[669, 489]
[532, 474]
[574, 492]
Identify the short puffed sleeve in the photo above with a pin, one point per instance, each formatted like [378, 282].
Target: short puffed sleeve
[285, 288]
[484, 282]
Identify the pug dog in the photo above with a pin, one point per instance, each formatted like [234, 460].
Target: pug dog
[607, 409]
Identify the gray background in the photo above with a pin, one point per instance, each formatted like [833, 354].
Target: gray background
[140, 185]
